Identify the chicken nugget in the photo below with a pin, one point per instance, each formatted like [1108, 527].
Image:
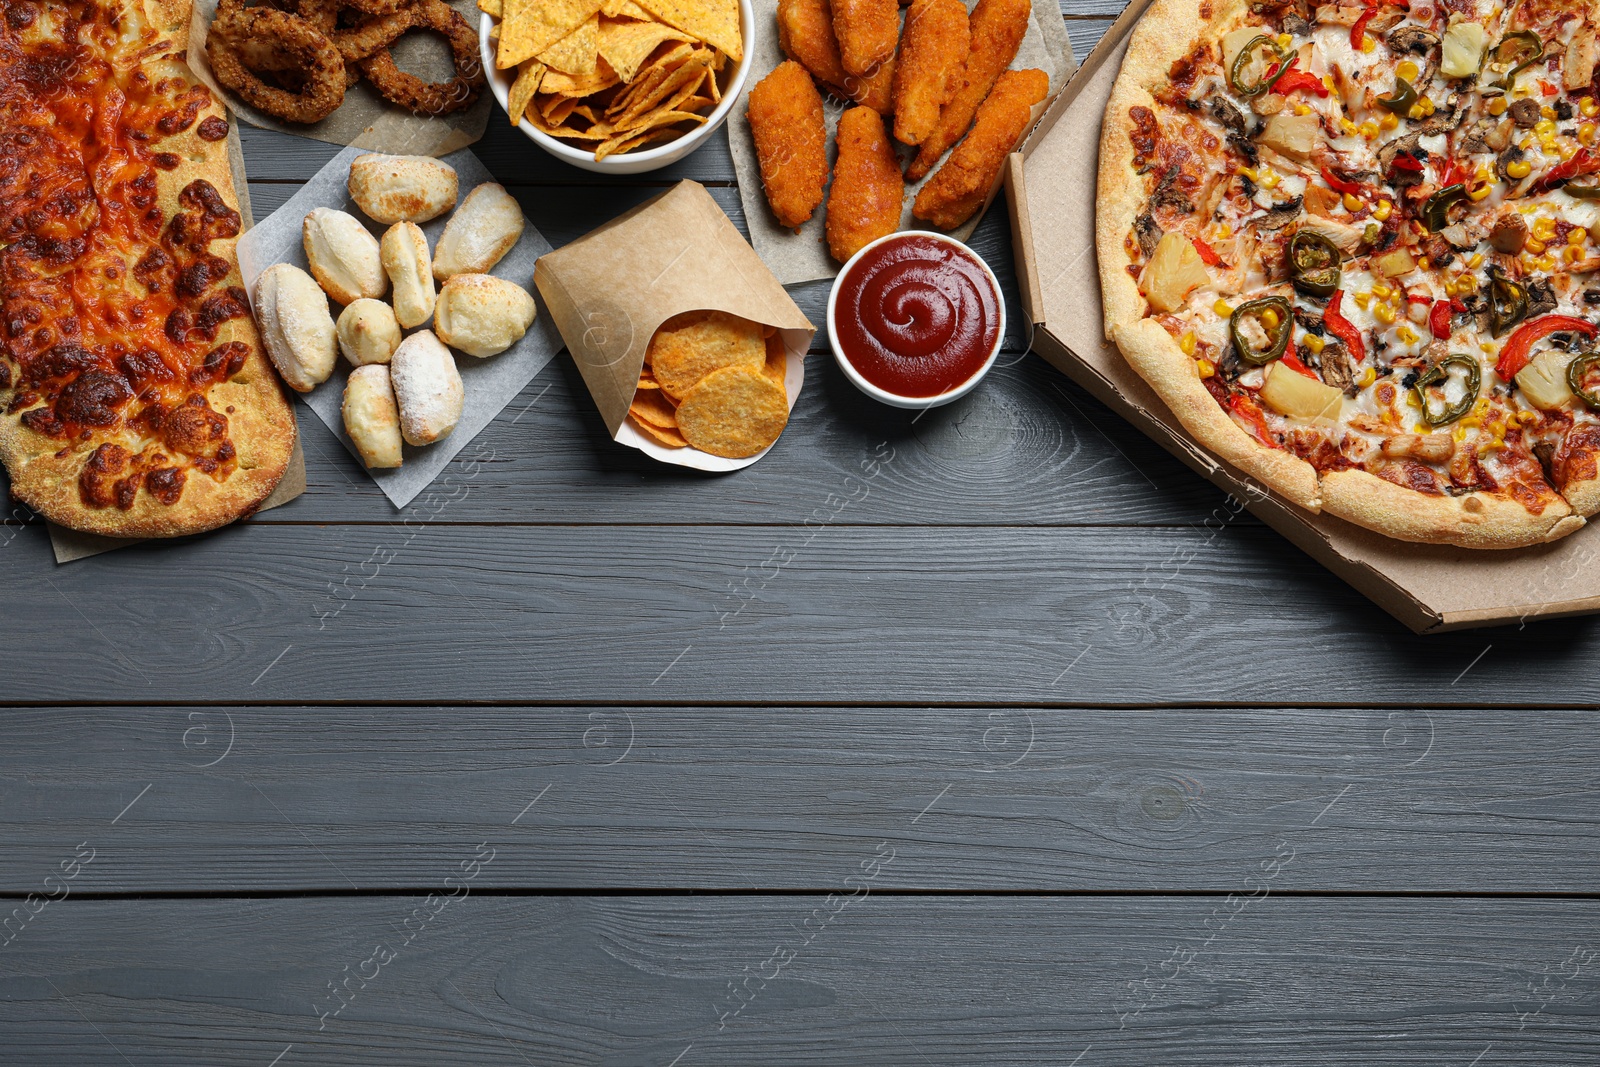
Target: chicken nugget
[867, 31]
[868, 192]
[959, 188]
[997, 27]
[785, 113]
[805, 33]
[933, 52]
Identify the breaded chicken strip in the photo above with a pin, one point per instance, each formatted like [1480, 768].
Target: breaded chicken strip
[785, 113]
[933, 52]
[997, 27]
[867, 31]
[805, 33]
[959, 188]
[868, 192]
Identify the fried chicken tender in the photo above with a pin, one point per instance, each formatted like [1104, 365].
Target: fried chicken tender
[867, 31]
[868, 192]
[785, 113]
[805, 33]
[997, 28]
[958, 188]
[933, 52]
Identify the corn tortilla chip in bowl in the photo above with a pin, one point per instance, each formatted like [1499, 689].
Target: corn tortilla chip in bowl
[616, 86]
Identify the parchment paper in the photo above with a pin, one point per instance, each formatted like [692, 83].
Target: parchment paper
[366, 119]
[609, 290]
[69, 545]
[490, 383]
[804, 257]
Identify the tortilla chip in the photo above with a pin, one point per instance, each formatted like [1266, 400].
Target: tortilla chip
[492, 8]
[716, 22]
[691, 71]
[532, 26]
[627, 44]
[577, 52]
[734, 412]
[691, 345]
[625, 9]
[777, 360]
[652, 119]
[652, 406]
[579, 84]
[670, 438]
[529, 73]
[557, 114]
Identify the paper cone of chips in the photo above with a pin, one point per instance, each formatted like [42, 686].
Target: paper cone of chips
[692, 350]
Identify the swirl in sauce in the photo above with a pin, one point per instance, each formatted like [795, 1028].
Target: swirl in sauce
[917, 316]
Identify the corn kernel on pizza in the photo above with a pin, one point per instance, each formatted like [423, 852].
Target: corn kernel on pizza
[1355, 247]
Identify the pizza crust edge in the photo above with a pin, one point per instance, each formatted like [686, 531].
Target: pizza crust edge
[1474, 520]
[1163, 36]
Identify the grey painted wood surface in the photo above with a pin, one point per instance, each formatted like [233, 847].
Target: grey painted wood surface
[1173, 800]
[866, 978]
[1031, 658]
[818, 613]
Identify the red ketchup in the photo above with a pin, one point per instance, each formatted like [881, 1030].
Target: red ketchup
[917, 316]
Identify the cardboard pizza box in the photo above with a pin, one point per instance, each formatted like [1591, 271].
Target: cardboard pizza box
[1050, 189]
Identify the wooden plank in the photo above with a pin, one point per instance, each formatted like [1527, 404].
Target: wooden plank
[1092, 981]
[813, 613]
[1028, 447]
[313, 799]
[1085, 33]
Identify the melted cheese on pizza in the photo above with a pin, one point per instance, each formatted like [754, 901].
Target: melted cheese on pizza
[110, 305]
[1447, 151]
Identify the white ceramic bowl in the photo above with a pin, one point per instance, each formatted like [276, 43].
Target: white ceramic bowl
[626, 162]
[883, 396]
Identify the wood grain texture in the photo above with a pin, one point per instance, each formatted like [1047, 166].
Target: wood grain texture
[320, 798]
[809, 614]
[510, 982]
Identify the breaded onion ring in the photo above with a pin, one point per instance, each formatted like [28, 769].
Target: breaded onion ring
[432, 98]
[375, 7]
[243, 41]
[367, 36]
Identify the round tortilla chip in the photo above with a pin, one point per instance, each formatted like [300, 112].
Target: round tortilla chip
[735, 412]
[777, 367]
[670, 438]
[689, 346]
[650, 406]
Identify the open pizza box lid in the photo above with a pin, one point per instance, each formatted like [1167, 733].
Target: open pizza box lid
[1050, 188]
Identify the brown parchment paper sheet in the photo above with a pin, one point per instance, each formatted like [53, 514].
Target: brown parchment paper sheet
[609, 290]
[69, 545]
[804, 257]
[366, 119]
[1429, 588]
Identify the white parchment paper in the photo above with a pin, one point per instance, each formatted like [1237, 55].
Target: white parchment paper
[490, 383]
[804, 257]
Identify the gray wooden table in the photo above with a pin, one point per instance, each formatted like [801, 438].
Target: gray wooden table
[992, 736]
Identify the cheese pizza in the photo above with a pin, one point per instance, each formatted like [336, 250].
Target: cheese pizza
[1354, 247]
[136, 397]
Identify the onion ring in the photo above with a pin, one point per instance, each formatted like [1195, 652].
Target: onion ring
[431, 98]
[375, 7]
[322, 14]
[367, 36]
[243, 40]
